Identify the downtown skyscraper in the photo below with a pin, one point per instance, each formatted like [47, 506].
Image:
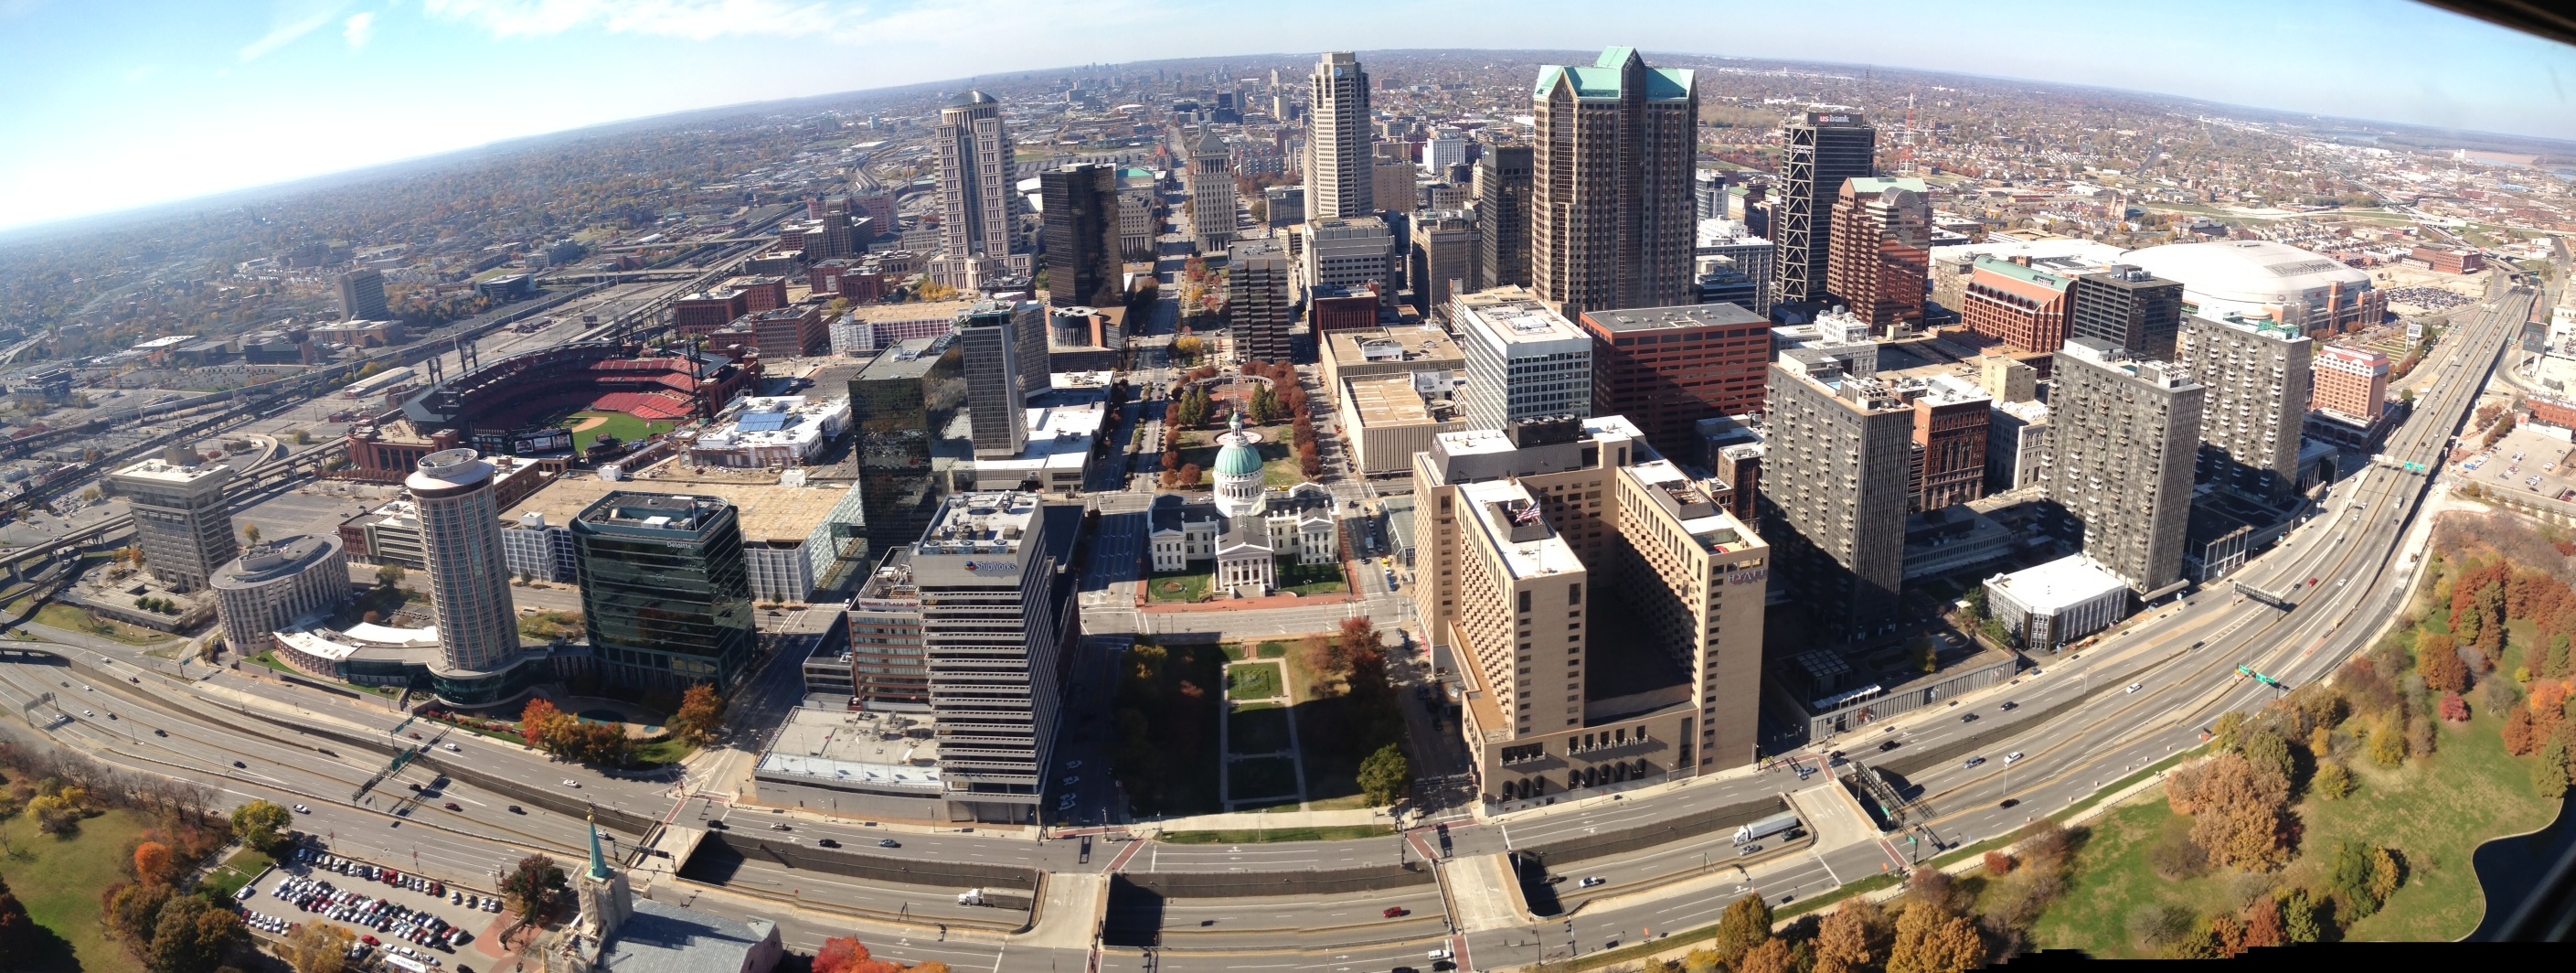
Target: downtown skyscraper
[1081, 234]
[974, 177]
[1610, 203]
[1825, 148]
[1339, 168]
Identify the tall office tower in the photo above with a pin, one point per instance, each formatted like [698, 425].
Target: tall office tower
[996, 407]
[1524, 360]
[1029, 332]
[1881, 251]
[1951, 421]
[362, 296]
[904, 406]
[1347, 253]
[886, 667]
[1211, 171]
[1656, 672]
[1745, 252]
[1502, 218]
[2129, 307]
[1836, 485]
[1338, 161]
[181, 519]
[1708, 194]
[1610, 197]
[1393, 184]
[1444, 257]
[975, 155]
[1825, 148]
[1082, 229]
[1667, 368]
[1258, 304]
[664, 590]
[469, 578]
[2123, 435]
[996, 614]
[2259, 378]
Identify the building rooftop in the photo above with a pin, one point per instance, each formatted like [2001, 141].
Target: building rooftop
[163, 472]
[365, 640]
[1690, 506]
[1514, 315]
[766, 513]
[1873, 185]
[663, 938]
[1727, 233]
[2026, 275]
[644, 510]
[1060, 437]
[270, 560]
[980, 523]
[1646, 319]
[1530, 549]
[910, 358]
[892, 750]
[1395, 400]
[1604, 79]
[1361, 345]
[2070, 580]
[752, 422]
[2257, 272]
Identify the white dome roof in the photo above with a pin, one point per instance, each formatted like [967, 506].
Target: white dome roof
[2248, 272]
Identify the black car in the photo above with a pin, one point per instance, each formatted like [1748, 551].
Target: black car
[888, 843]
[719, 825]
[1890, 745]
[515, 809]
[241, 765]
[2008, 707]
[829, 843]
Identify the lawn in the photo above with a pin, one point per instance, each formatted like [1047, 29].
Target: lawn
[1252, 680]
[2433, 812]
[1179, 587]
[663, 752]
[1239, 652]
[237, 871]
[1261, 777]
[59, 881]
[72, 619]
[628, 429]
[1312, 579]
[1257, 729]
[1278, 459]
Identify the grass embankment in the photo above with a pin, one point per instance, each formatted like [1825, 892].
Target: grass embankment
[1312, 579]
[59, 881]
[1178, 587]
[663, 752]
[71, 619]
[237, 871]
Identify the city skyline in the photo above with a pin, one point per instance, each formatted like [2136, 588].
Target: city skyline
[410, 81]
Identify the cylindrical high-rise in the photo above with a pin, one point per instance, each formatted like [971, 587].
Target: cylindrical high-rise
[469, 581]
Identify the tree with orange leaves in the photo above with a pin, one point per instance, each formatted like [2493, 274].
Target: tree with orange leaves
[153, 863]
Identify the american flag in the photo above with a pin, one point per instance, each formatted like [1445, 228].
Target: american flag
[1525, 516]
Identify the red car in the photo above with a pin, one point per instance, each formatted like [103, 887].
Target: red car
[1393, 912]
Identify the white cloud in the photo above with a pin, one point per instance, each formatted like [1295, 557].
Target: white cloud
[289, 21]
[359, 28]
[691, 19]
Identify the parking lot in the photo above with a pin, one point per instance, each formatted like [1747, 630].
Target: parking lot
[2525, 461]
[420, 923]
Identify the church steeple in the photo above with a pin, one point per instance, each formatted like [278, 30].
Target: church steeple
[598, 863]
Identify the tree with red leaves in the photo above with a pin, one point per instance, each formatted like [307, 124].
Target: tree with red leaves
[2454, 708]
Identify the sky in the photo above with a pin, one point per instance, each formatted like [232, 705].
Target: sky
[107, 105]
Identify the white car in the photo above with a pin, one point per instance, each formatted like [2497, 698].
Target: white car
[2135, 686]
[2010, 757]
[569, 782]
[301, 809]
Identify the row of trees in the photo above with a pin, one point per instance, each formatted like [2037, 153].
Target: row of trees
[1356, 709]
[556, 732]
[1938, 926]
[1164, 720]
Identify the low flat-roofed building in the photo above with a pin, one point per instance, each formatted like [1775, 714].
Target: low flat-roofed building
[791, 535]
[2058, 602]
[1379, 352]
[854, 763]
[1057, 457]
[1388, 418]
[772, 431]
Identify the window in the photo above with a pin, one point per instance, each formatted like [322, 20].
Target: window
[1525, 601]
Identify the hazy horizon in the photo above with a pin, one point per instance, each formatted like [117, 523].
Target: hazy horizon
[322, 98]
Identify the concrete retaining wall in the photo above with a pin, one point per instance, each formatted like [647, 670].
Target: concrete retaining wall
[1552, 853]
[1220, 885]
[899, 870]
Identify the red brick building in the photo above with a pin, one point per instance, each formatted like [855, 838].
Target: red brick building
[2025, 309]
[1667, 368]
[1342, 313]
[706, 311]
[1951, 420]
[760, 293]
[2351, 382]
[789, 332]
[2450, 261]
[1882, 251]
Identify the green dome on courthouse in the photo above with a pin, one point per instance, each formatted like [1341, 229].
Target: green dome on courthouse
[1237, 458]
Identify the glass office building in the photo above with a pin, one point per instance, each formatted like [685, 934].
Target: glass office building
[664, 590]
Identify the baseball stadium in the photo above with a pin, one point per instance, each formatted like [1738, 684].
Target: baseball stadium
[554, 402]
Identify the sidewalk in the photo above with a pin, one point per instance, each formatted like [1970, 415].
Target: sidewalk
[1253, 820]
